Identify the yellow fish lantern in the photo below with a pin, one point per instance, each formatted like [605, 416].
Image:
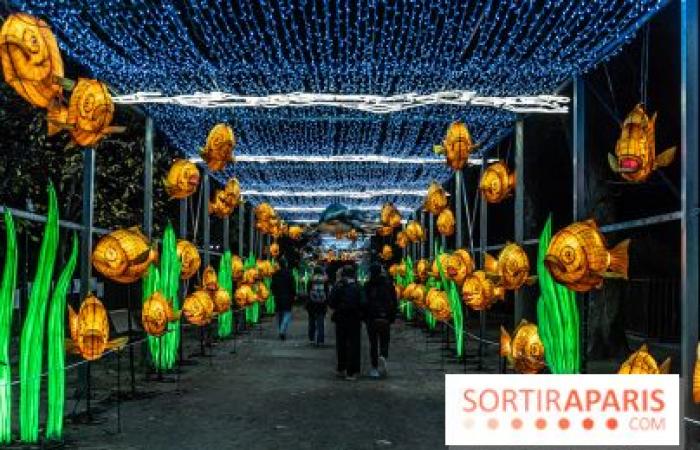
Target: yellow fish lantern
[89, 329]
[218, 207]
[642, 363]
[497, 183]
[274, 250]
[384, 231]
[222, 301]
[232, 189]
[696, 376]
[457, 145]
[387, 253]
[265, 268]
[244, 296]
[415, 293]
[414, 231]
[262, 292]
[123, 255]
[434, 269]
[198, 308]
[90, 112]
[635, 152]
[479, 293]
[236, 267]
[422, 268]
[578, 258]
[182, 179]
[525, 351]
[250, 276]
[390, 216]
[446, 223]
[264, 211]
[438, 304]
[31, 61]
[210, 281]
[218, 151]
[294, 232]
[512, 268]
[458, 265]
[401, 239]
[435, 199]
[397, 270]
[189, 259]
[156, 313]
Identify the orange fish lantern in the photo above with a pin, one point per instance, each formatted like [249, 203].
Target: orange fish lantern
[525, 351]
[415, 293]
[696, 376]
[384, 231]
[220, 207]
[182, 179]
[642, 363]
[401, 239]
[245, 296]
[250, 276]
[89, 330]
[479, 293]
[446, 223]
[390, 216]
[387, 253]
[443, 258]
[294, 232]
[457, 146]
[232, 189]
[438, 304]
[635, 152]
[123, 255]
[512, 268]
[222, 301]
[264, 212]
[274, 250]
[156, 313]
[458, 265]
[397, 270]
[218, 150]
[189, 259]
[265, 268]
[414, 231]
[210, 280]
[31, 61]
[236, 267]
[435, 200]
[262, 292]
[578, 258]
[198, 308]
[497, 183]
[422, 268]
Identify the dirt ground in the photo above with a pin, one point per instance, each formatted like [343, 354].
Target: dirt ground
[281, 395]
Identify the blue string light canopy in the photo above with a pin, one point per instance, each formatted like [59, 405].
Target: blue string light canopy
[344, 47]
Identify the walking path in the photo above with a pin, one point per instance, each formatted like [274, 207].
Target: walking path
[284, 395]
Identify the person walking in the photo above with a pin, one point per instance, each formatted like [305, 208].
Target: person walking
[379, 313]
[316, 306]
[345, 300]
[282, 286]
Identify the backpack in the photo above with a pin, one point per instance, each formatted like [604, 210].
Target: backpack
[317, 294]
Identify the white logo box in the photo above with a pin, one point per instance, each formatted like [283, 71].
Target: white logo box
[549, 410]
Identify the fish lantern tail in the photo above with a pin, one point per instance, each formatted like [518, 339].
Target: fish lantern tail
[665, 367]
[512, 177]
[696, 377]
[665, 158]
[505, 343]
[490, 264]
[619, 258]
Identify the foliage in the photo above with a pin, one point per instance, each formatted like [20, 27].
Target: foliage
[7, 293]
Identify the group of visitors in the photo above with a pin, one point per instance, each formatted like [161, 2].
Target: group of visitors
[375, 304]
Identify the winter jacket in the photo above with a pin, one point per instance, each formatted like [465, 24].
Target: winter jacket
[283, 289]
[381, 302]
[346, 301]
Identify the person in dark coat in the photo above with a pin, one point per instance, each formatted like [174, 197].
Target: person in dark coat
[379, 313]
[316, 305]
[284, 290]
[345, 300]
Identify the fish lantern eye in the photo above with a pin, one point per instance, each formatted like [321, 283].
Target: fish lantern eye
[568, 255]
[89, 103]
[494, 185]
[31, 40]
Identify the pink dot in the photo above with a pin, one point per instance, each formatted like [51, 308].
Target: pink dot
[516, 424]
[611, 423]
[564, 424]
[541, 424]
[493, 423]
[588, 423]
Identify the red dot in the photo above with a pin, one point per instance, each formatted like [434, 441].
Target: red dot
[541, 424]
[493, 423]
[611, 423]
[564, 424]
[588, 423]
[516, 423]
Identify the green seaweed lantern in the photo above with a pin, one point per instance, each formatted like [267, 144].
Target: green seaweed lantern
[557, 315]
[406, 306]
[225, 325]
[455, 305]
[7, 292]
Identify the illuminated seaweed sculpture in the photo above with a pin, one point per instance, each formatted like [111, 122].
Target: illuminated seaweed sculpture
[7, 291]
[226, 282]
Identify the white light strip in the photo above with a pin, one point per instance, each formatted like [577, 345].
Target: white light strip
[315, 209]
[549, 104]
[348, 194]
[265, 159]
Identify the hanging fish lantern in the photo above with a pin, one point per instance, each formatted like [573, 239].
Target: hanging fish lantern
[512, 268]
[578, 257]
[642, 363]
[414, 231]
[236, 268]
[210, 280]
[222, 301]
[435, 199]
[390, 216]
[123, 255]
[182, 179]
[189, 259]
[458, 265]
[262, 292]
[479, 293]
[387, 253]
[415, 293]
[443, 258]
[264, 211]
[446, 223]
[497, 183]
[219, 206]
[89, 330]
[218, 150]
[422, 268]
[232, 189]
[90, 112]
[525, 351]
[198, 308]
[635, 152]
[156, 313]
[31, 61]
[401, 239]
[457, 146]
[396, 270]
[265, 268]
[438, 304]
[294, 232]
[244, 296]
[384, 231]
[250, 276]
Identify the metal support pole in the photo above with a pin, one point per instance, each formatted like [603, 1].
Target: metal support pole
[86, 247]
[205, 220]
[579, 193]
[423, 216]
[519, 225]
[148, 180]
[690, 220]
[458, 208]
[241, 221]
[226, 234]
[251, 231]
[431, 236]
[182, 232]
[483, 243]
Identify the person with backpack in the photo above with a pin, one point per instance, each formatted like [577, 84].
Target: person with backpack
[345, 300]
[316, 306]
[379, 313]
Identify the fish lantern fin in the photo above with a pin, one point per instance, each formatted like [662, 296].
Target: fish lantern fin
[665, 367]
[490, 264]
[613, 163]
[499, 293]
[115, 129]
[696, 377]
[531, 280]
[505, 343]
[665, 158]
[66, 83]
[118, 343]
[438, 149]
[73, 323]
[512, 178]
[71, 347]
[644, 348]
[619, 258]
